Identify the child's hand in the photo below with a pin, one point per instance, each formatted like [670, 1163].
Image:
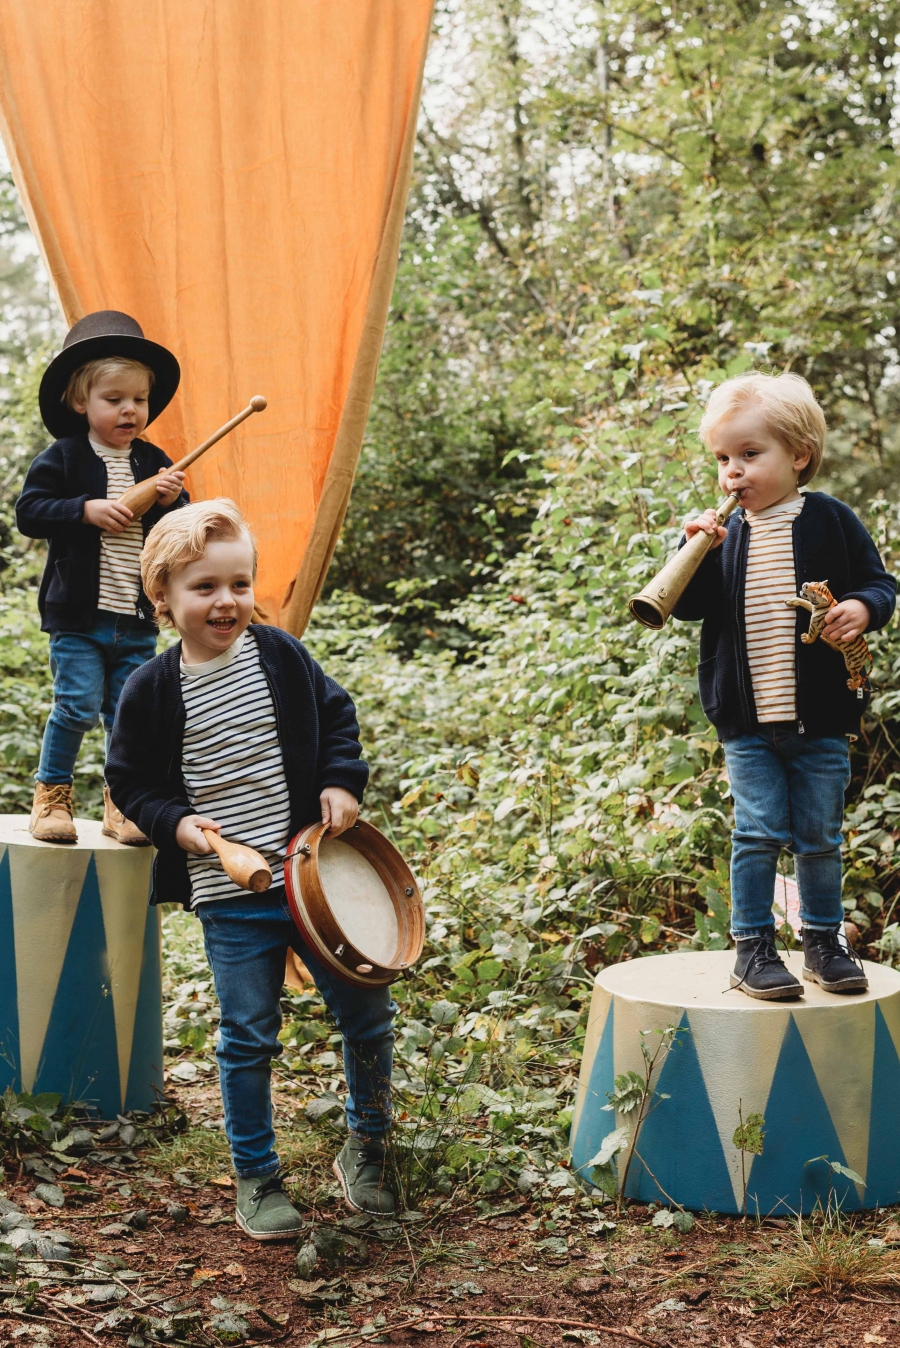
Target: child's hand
[107, 515]
[168, 486]
[339, 809]
[188, 835]
[847, 620]
[706, 522]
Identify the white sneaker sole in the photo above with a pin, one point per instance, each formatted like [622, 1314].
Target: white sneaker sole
[266, 1235]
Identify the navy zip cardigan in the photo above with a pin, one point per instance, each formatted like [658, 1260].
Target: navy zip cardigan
[57, 485]
[830, 544]
[317, 728]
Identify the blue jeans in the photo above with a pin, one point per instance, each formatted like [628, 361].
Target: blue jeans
[89, 672]
[788, 794]
[246, 944]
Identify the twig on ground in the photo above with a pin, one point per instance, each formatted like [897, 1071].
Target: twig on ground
[52, 1320]
[631, 1334]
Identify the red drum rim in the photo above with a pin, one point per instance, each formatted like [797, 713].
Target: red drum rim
[314, 918]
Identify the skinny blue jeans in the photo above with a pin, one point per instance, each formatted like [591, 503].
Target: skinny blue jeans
[246, 944]
[89, 672]
[788, 792]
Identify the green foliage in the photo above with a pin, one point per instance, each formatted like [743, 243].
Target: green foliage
[837, 1168]
[612, 212]
[748, 1136]
[29, 1120]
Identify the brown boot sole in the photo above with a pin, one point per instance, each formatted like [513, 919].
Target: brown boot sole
[53, 838]
[859, 983]
[126, 842]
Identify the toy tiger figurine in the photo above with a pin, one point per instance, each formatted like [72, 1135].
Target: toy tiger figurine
[816, 596]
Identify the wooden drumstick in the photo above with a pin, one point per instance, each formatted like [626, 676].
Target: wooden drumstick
[245, 866]
[142, 495]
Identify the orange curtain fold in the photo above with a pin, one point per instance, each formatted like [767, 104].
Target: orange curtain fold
[234, 176]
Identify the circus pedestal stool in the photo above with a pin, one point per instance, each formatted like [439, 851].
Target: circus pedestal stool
[80, 976]
[823, 1071]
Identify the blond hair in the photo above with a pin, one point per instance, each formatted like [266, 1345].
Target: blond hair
[182, 537]
[790, 413]
[82, 380]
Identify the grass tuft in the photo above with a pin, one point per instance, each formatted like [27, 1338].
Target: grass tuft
[826, 1253]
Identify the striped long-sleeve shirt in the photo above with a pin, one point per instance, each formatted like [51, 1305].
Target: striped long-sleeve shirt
[232, 763]
[771, 627]
[120, 554]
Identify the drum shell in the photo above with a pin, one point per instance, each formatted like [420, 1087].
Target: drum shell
[325, 936]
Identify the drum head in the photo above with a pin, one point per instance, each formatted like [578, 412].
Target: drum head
[359, 899]
[355, 902]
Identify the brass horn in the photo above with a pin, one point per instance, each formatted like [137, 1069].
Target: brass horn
[653, 606]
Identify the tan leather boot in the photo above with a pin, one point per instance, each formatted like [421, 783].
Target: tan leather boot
[115, 825]
[51, 813]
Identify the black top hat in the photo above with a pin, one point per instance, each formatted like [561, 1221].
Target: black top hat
[96, 337]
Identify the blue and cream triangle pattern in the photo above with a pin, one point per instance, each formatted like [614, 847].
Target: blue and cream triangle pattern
[825, 1077]
[80, 970]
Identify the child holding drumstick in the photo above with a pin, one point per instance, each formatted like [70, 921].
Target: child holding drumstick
[97, 396]
[237, 728]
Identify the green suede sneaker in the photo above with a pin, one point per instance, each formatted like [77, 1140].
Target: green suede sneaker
[264, 1210]
[360, 1167]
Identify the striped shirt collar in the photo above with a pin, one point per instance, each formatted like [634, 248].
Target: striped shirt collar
[218, 661]
[788, 509]
[121, 453]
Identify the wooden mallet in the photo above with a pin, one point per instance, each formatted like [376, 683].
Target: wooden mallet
[244, 866]
[142, 495]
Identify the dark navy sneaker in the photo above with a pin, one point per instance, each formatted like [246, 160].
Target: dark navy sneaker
[360, 1166]
[830, 963]
[264, 1210]
[760, 972]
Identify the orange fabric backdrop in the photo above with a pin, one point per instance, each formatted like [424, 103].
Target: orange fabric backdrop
[234, 176]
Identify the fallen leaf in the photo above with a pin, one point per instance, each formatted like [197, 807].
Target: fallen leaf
[873, 1338]
[892, 1234]
[205, 1274]
[51, 1194]
[183, 1071]
[223, 1182]
[590, 1286]
[235, 1271]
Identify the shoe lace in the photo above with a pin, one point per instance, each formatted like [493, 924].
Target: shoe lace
[272, 1184]
[370, 1155]
[765, 952]
[53, 796]
[831, 947]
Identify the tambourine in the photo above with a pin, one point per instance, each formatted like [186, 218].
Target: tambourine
[355, 903]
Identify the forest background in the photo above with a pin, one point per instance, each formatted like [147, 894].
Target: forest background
[615, 206]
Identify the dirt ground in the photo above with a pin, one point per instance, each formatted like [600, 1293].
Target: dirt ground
[158, 1258]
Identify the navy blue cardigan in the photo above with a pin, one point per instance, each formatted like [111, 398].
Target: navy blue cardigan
[51, 506]
[317, 728]
[830, 544]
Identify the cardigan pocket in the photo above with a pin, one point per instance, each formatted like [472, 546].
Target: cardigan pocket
[709, 685]
[58, 589]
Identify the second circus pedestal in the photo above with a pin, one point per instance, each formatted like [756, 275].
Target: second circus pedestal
[823, 1071]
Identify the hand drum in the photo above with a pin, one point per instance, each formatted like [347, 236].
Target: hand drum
[355, 903]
